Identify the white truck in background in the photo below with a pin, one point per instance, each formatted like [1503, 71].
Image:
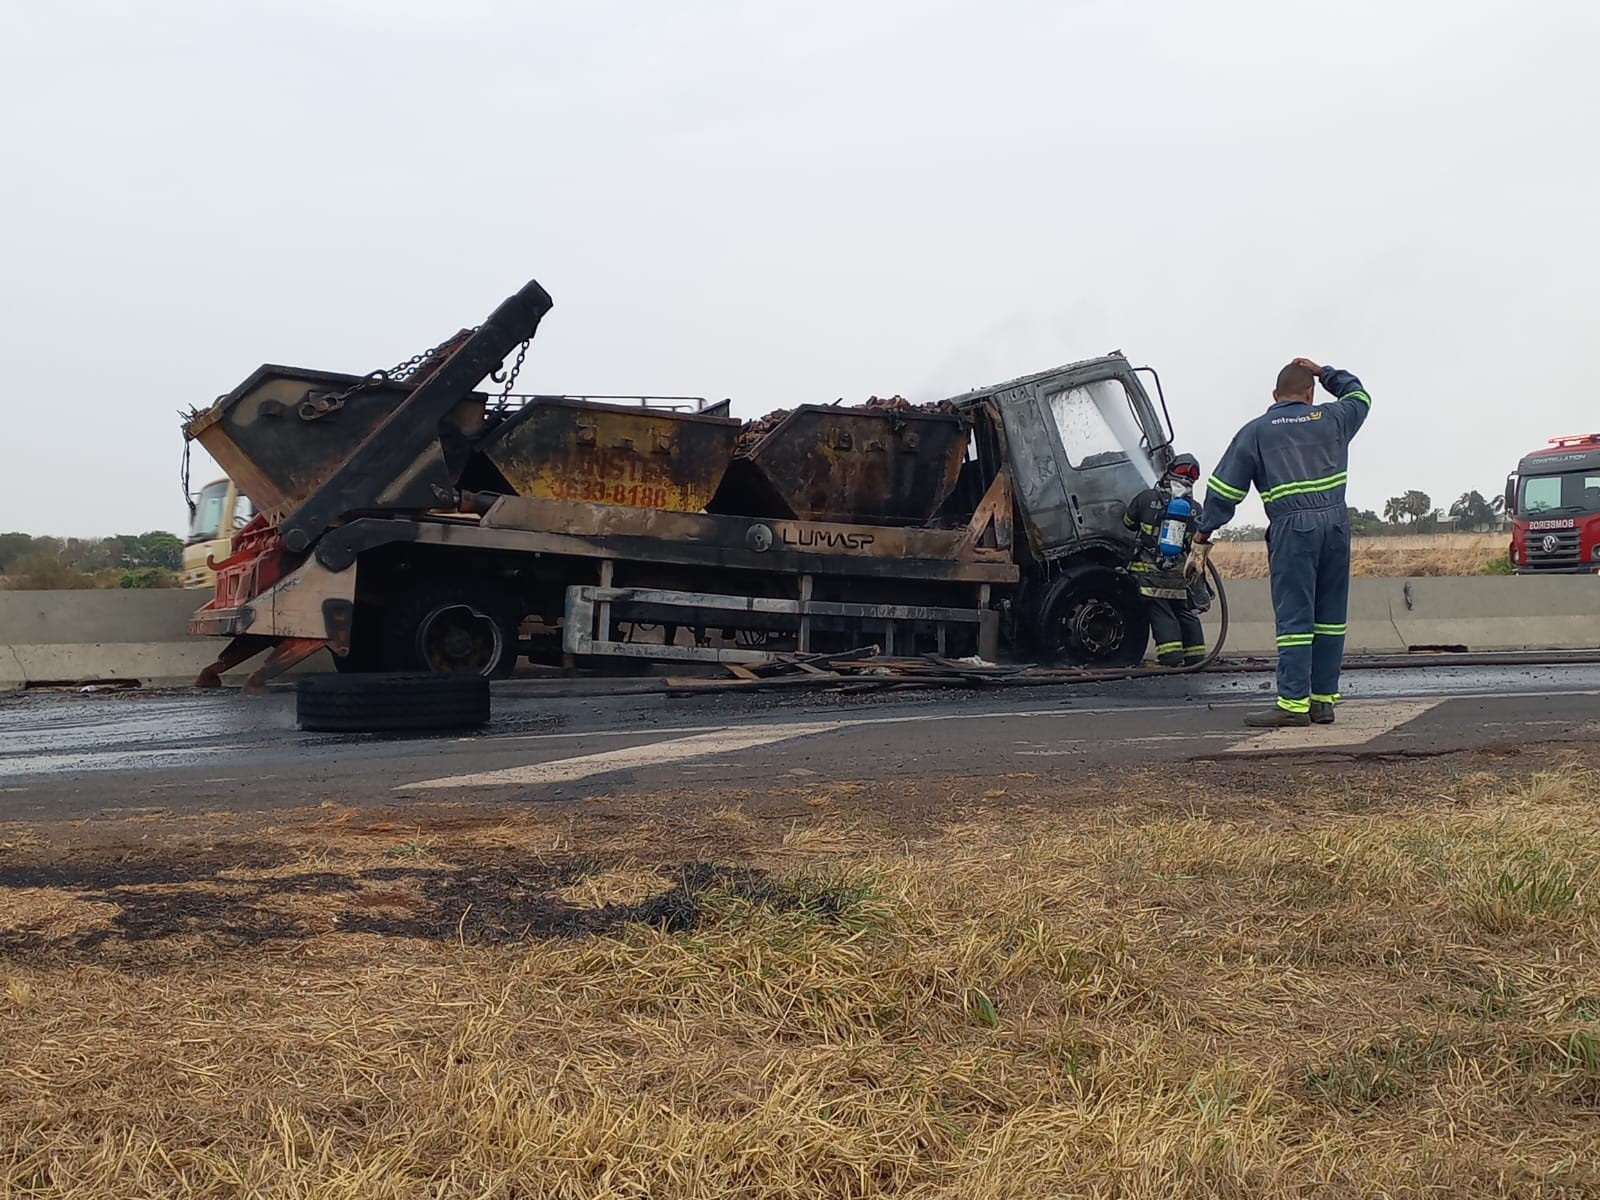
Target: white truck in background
[220, 511]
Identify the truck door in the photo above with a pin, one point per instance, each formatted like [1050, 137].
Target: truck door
[1083, 441]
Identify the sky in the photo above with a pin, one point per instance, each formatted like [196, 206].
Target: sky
[785, 203]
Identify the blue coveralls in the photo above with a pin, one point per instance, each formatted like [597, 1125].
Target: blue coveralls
[1297, 456]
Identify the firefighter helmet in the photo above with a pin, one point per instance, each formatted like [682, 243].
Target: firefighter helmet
[1187, 466]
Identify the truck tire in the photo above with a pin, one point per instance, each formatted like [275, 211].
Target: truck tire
[454, 629]
[390, 702]
[1092, 616]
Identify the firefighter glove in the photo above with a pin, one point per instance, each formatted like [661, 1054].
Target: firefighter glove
[1199, 556]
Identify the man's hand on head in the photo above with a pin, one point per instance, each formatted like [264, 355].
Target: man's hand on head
[1308, 365]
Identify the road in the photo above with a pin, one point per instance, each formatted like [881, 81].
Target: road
[69, 755]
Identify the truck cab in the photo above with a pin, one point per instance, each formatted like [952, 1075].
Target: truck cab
[220, 511]
[1553, 501]
[1080, 441]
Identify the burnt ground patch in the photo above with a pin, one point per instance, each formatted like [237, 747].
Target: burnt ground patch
[135, 866]
[516, 903]
[511, 900]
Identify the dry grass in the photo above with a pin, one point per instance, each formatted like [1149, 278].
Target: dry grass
[1368, 991]
[1388, 557]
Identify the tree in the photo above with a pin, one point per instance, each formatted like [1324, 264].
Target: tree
[1413, 506]
[148, 577]
[13, 546]
[1418, 504]
[1363, 520]
[44, 570]
[154, 549]
[1472, 511]
[140, 560]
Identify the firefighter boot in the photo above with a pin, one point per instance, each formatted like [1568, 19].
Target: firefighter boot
[1277, 718]
[1321, 712]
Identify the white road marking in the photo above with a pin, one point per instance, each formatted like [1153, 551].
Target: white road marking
[565, 770]
[1064, 711]
[500, 739]
[844, 723]
[712, 739]
[1359, 722]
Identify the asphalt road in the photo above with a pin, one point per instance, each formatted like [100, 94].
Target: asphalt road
[64, 755]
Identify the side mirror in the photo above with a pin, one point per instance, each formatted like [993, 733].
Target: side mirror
[1511, 496]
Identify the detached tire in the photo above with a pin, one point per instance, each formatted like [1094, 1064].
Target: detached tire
[413, 703]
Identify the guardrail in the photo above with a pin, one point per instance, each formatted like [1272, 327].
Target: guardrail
[89, 636]
[95, 635]
[1476, 612]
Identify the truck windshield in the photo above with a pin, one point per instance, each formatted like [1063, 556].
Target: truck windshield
[1575, 491]
[1098, 428]
[207, 522]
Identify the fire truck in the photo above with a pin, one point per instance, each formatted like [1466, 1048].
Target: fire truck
[1554, 504]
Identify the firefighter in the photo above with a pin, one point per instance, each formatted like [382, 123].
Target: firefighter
[1172, 602]
[1296, 454]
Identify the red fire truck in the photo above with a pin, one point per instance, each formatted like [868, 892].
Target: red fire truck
[1554, 504]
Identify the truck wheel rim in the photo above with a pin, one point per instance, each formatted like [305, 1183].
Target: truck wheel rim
[1095, 627]
[457, 638]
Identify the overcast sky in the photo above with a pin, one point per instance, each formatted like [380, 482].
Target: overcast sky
[795, 202]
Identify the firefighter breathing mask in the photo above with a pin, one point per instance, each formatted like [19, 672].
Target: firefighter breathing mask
[1182, 475]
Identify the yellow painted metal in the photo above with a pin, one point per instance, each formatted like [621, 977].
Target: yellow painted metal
[559, 448]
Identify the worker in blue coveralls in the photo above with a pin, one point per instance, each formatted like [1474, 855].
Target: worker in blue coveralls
[1297, 455]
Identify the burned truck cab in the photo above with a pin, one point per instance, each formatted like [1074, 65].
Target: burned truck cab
[1079, 440]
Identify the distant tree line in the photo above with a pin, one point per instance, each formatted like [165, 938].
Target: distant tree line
[1410, 512]
[142, 560]
[1413, 512]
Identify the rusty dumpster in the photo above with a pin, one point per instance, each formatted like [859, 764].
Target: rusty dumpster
[852, 465]
[564, 448]
[278, 439]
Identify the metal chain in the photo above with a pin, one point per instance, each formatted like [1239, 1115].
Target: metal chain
[316, 406]
[509, 377]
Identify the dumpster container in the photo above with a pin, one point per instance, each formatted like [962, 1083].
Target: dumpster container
[263, 435]
[563, 448]
[853, 465]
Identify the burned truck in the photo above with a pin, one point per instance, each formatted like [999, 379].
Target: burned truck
[414, 520]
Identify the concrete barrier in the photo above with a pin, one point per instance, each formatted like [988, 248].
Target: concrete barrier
[82, 636]
[1393, 616]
